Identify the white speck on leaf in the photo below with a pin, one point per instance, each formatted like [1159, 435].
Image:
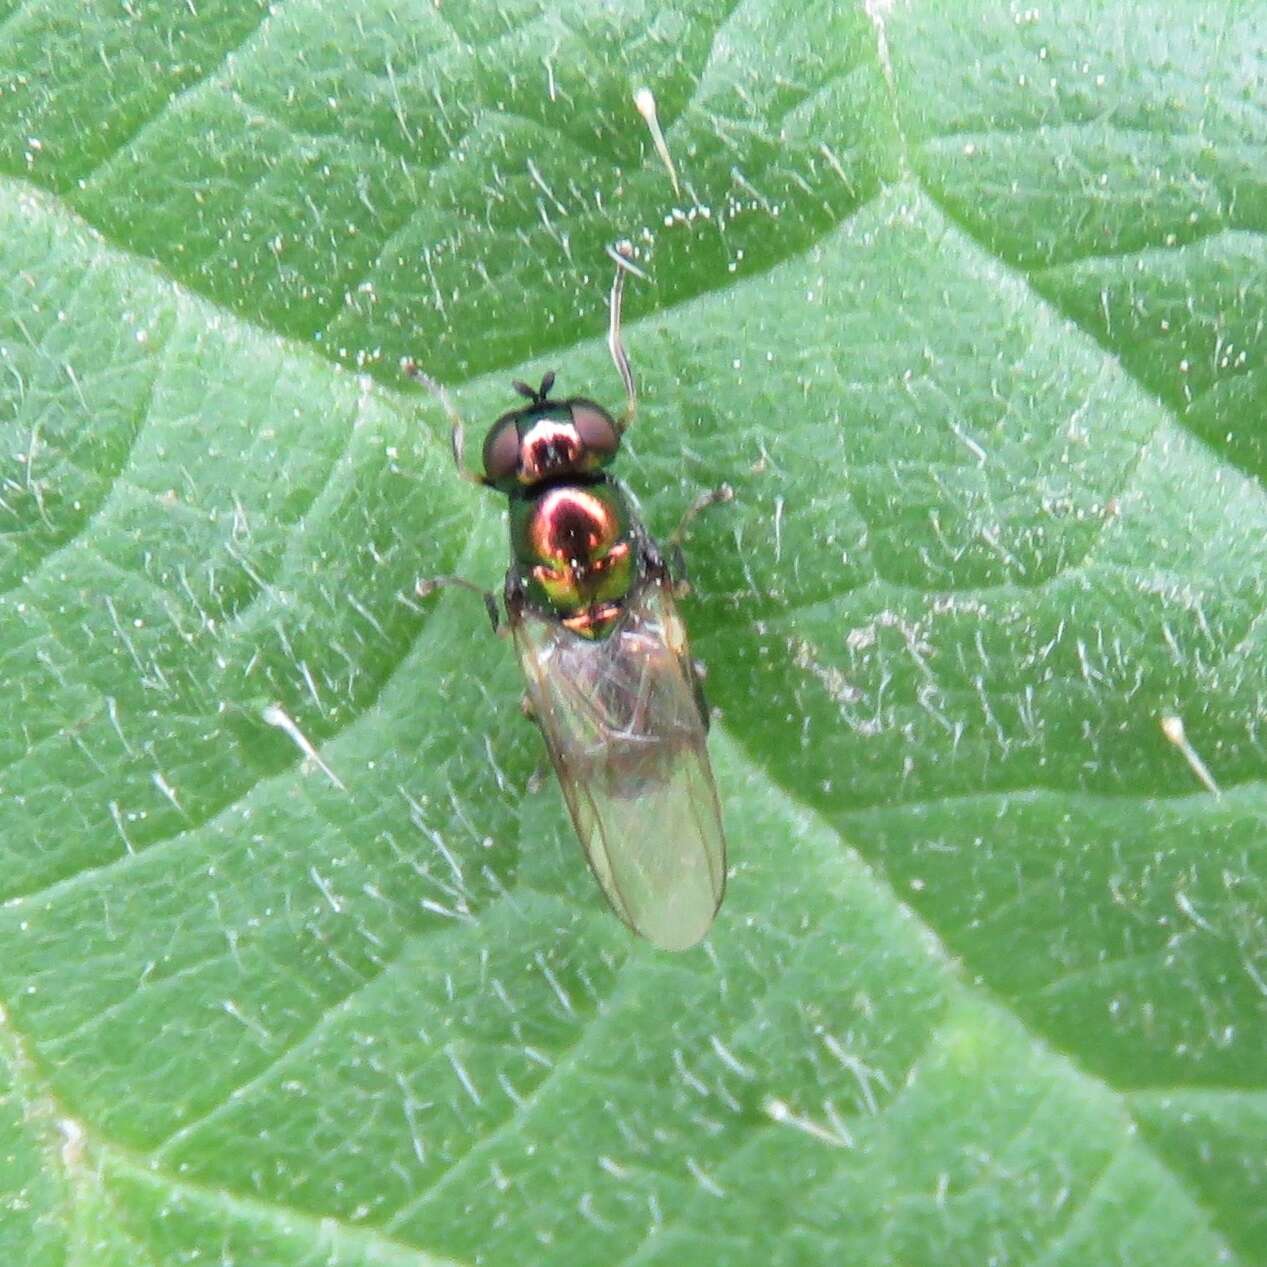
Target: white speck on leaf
[779, 1111]
[644, 99]
[464, 1077]
[275, 715]
[1172, 727]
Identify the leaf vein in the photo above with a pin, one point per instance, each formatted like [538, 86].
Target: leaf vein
[976, 987]
[176, 100]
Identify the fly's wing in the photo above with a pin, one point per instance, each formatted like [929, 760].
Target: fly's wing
[622, 723]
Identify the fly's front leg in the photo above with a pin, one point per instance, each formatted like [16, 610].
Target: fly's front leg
[622, 253]
[714, 497]
[430, 584]
[457, 433]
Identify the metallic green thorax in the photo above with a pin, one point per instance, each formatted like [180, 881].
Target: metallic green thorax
[575, 551]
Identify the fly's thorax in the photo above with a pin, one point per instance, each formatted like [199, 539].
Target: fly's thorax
[576, 552]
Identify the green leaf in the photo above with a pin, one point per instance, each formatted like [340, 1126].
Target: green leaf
[968, 304]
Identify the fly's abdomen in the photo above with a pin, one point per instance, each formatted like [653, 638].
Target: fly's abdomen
[628, 743]
[575, 553]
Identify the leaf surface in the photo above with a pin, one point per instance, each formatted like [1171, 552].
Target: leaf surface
[967, 302]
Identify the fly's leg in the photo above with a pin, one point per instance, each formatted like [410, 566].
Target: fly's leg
[660, 570]
[699, 671]
[701, 702]
[457, 434]
[654, 563]
[432, 583]
[513, 595]
[714, 497]
[622, 253]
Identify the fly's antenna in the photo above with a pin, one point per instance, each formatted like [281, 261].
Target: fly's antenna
[536, 394]
[622, 253]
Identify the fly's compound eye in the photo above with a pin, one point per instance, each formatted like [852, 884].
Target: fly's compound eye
[501, 450]
[597, 431]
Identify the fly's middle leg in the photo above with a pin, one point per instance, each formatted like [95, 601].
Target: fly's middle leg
[432, 583]
[713, 497]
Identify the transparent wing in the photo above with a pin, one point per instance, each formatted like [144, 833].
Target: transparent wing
[622, 722]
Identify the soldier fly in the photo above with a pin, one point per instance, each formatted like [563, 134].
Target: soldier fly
[590, 604]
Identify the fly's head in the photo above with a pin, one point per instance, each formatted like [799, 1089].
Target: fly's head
[548, 439]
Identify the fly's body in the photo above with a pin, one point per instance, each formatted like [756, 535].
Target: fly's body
[590, 604]
[575, 551]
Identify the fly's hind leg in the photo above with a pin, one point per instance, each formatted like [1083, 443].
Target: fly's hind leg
[430, 584]
[701, 702]
[698, 674]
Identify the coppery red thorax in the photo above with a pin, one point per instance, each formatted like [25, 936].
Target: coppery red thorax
[575, 548]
